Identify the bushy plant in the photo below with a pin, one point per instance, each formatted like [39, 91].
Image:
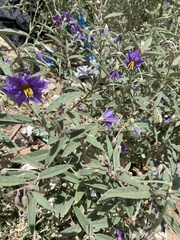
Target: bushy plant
[112, 130]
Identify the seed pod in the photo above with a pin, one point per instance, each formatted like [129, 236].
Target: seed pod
[16, 199]
[24, 201]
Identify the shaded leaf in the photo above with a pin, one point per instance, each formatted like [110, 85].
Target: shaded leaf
[126, 192]
[54, 171]
[84, 222]
[42, 200]
[6, 181]
[31, 212]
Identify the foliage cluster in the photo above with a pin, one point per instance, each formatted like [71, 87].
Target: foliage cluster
[94, 179]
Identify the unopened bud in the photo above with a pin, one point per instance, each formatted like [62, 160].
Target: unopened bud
[24, 201]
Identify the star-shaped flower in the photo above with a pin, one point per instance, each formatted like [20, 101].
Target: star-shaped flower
[118, 40]
[108, 118]
[24, 88]
[120, 235]
[114, 74]
[134, 60]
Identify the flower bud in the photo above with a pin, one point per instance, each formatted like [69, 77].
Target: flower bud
[24, 201]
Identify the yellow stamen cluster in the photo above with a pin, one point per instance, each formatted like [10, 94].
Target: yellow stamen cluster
[28, 92]
[131, 66]
[119, 238]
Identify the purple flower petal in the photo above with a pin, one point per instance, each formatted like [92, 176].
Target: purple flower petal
[166, 4]
[120, 235]
[106, 30]
[108, 113]
[137, 130]
[124, 149]
[79, 107]
[114, 74]
[118, 40]
[108, 118]
[167, 120]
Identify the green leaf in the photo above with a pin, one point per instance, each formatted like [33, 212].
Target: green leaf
[71, 147]
[79, 194]
[94, 142]
[31, 212]
[42, 201]
[176, 147]
[54, 171]
[63, 99]
[128, 203]
[55, 150]
[147, 43]
[84, 222]
[5, 67]
[71, 177]
[105, 223]
[76, 57]
[37, 156]
[66, 206]
[116, 157]
[100, 236]
[35, 109]
[176, 184]
[71, 231]
[9, 42]
[115, 14]
[129, 180]
[6, 181]
[7, 142]
[126, 192]
[9, 31]
[109, 147]
[10, 119]
[156, 103]
[29, 160]
[170, 220]
[96, 184]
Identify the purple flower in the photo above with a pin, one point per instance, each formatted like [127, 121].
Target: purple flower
[24, 88]
[167, 120]
[90, 38]
[137, 85]
[66, 17]
[7, 60]
[134, 60]
[106, 30]
[47, 61]
[118, 40]
[137, 130]
[120, 235]
[166, 4]
[56, 20]
[81, 71]
[124, 149]
[75, 30]
[108, 118]
[154, 208]
[79, 107]
[114, 74]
